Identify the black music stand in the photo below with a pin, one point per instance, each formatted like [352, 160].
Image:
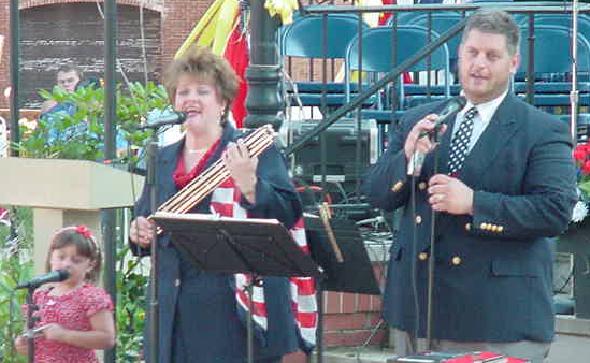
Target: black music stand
[260, 247]
[353, 274]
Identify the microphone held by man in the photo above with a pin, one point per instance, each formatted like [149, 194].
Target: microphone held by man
[434, 125]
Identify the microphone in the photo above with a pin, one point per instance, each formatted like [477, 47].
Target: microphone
[169, 118]
[164, 119]
[454, 105]
[37, 281]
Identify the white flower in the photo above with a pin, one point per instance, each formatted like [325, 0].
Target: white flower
[580, 211]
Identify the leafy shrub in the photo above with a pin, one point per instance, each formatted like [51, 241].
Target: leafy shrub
[81, 136]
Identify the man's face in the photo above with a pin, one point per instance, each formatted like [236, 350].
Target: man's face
[68, 80]
[485, 66]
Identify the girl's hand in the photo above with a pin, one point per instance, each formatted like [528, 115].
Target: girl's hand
[54, 331]
[20, 344]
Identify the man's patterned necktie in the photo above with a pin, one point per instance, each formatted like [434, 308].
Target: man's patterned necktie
[460, 143]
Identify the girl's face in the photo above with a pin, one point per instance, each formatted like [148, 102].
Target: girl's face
[67, 258]
[201, 102]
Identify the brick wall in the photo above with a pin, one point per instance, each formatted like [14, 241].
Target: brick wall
[350, 320]
[177, 18]
[4, 54]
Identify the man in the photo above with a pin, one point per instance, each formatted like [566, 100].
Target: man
[68, 77]
[495, 206]
[52, 112]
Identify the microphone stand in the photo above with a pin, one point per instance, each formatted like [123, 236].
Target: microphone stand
[30, 325]
[574, 92]
[152, 185]
[429, 316]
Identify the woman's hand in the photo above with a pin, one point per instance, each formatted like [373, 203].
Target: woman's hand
[142, 232]
[242, 169]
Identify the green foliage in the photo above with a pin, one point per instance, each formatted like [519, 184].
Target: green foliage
[131, 303]
[81, 136]
[15, 264]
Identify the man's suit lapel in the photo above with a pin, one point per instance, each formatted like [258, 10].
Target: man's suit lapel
[499, 132]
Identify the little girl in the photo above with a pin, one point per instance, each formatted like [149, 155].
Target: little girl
[76, 316]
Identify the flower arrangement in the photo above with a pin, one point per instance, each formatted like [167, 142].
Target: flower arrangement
[582, 158]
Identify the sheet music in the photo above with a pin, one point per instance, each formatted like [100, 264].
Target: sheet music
[213, 217]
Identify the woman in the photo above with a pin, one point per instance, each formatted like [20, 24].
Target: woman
[198, 318]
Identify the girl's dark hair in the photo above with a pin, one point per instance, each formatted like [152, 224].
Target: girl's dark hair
[85, 244]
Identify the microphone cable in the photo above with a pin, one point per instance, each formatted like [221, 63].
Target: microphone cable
[414, 250]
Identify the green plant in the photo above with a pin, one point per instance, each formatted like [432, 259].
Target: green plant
[16, 265]
[80, 135]
[582, 158]
[131, 302]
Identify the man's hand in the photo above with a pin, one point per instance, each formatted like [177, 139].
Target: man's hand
[421, 144]
[448, 194]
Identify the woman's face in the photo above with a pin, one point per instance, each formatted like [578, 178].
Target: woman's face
[200, 101]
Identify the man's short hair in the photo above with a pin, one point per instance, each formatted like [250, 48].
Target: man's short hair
[69, 67]
[496, 22]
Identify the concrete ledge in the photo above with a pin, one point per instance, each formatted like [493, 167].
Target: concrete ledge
[565, 324]
[355, 355]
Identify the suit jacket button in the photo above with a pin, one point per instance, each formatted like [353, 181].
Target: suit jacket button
[500, 229]
[397, 186]
[468, 226]
[422, 185]
[456, 260]
[176, 282]
[494, 228]
[418, 219]
[423, 256]
[483, 225]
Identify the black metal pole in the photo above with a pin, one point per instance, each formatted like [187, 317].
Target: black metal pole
[531, 65]
[264, 71]
[30, 324]
[108, 216]
[14, 74]
[154, 305]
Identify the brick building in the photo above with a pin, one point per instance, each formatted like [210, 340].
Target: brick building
[55, 31]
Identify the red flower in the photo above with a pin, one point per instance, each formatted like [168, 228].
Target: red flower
[84, 231]
[581, 153]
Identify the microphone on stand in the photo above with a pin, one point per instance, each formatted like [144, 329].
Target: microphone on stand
[169, 118]
[454, 105]
[35, 282]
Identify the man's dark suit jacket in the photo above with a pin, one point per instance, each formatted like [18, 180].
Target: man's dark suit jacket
[493, 270]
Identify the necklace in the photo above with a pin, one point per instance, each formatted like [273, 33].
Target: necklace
[195, 151]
